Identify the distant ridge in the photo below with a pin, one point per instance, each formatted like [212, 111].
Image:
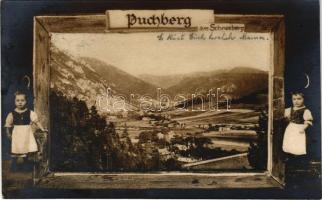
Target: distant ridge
[167, 81]
[87, 78]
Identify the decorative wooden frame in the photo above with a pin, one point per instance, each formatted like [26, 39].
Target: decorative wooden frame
[273, 177]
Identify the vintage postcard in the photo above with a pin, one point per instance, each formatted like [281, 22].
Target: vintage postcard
[159, 99]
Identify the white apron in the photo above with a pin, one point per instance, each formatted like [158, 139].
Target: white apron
[294, 142]
[23, 140]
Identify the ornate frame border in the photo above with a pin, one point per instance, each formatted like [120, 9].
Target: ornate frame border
[44, 26]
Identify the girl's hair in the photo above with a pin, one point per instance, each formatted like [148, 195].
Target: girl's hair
[297, 93]
[20, 93]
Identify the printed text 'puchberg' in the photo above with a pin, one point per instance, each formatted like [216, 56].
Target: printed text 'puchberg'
[130, 19]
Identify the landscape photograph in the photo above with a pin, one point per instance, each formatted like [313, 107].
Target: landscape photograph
[132, 103]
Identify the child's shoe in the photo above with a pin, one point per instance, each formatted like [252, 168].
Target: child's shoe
[28, 165]
[14, 165]
[20, 160]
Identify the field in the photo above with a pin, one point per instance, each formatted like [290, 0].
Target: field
[230, 131]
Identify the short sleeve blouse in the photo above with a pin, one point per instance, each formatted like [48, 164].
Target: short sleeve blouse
[33, 117]
[307, 115]
[9, 119]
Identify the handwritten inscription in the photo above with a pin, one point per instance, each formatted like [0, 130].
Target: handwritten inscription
[213, 35]
[214, 32]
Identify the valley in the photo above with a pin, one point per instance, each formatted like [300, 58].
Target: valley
[170, 134]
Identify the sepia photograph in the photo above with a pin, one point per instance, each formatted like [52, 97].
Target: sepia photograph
[117, 100]
[129, 102]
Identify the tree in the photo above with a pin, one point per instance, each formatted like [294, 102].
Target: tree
[77, 139]
[257, 155]
[83, 141]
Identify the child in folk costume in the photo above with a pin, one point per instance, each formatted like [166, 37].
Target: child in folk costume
[19, 130]
[295, 141]
[299, 118]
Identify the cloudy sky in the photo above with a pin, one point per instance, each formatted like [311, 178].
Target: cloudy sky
[142, 53]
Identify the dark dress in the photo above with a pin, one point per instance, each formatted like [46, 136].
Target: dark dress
[294, 141]
[23, 140]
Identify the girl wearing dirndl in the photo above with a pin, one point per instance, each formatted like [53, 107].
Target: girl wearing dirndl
[19, 130]
[295, 141]
[299, 118]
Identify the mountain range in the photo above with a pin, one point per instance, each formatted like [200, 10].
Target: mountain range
[88, 78]
[166, 81]
[236, 82]
[92, 80]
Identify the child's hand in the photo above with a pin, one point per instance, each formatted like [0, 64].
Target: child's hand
[41, 127]
[44, 130]
[302, 131]
[9, 136]
[8, 133]
[304, 127]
